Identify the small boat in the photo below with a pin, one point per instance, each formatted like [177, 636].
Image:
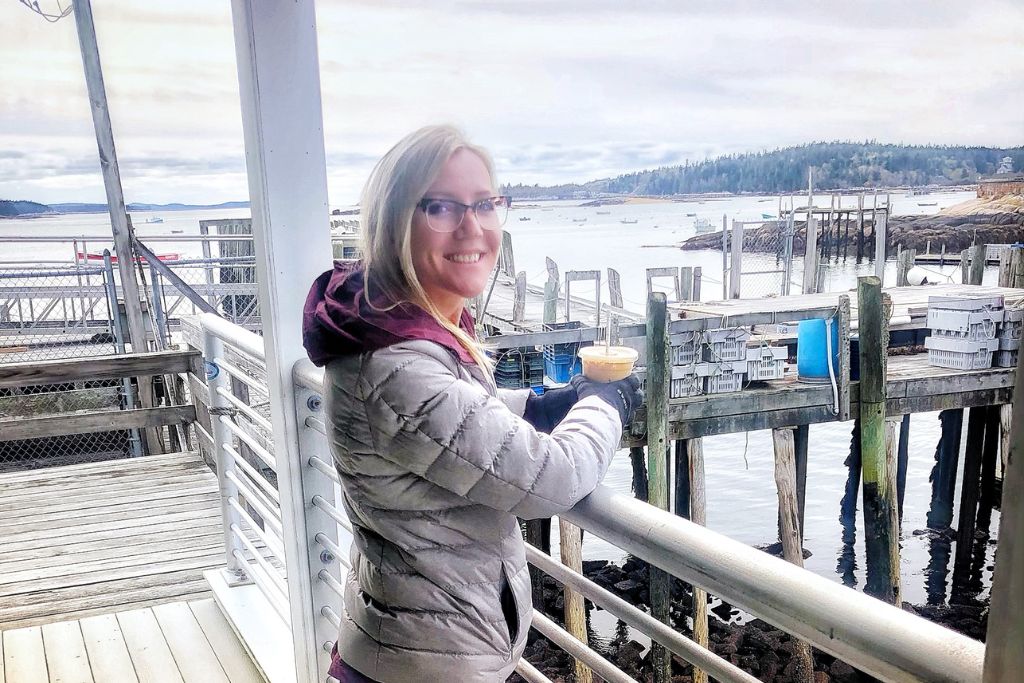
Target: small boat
[603, 213]
[155, 219]
[95, 257]
[177, 232]
[548, 209]
[768, 216]
[579, 220]
[628, 221]
[703, 226]
[690, 215]
[524, 218]
[927, 203]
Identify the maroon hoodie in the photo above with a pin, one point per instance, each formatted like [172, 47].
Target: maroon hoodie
[337, 320]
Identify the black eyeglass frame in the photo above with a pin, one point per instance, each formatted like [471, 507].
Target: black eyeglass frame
[425, 202]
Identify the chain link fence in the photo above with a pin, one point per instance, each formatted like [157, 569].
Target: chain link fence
[56, 312]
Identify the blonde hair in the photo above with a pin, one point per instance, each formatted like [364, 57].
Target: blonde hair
[392, 192]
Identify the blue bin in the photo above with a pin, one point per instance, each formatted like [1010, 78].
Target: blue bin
[811, 350]
[560, 367]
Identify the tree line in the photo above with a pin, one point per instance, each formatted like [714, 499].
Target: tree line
[835, 165]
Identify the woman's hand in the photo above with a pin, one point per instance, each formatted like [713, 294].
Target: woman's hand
[624, 395]
[544, 412]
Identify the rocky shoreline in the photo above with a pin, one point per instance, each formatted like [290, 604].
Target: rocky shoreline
[753, 645]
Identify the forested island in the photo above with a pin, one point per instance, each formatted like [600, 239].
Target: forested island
[13, 209]
[836, 166]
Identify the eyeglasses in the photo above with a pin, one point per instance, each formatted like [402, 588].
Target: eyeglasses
[446, 215]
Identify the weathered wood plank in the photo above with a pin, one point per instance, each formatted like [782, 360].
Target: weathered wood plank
[148, 648]
[34, 373]
[196, 660]
[24, 499]
[66, 658]
[83, 470]
[111, 554]
[64, 518]
[75, 602]
[105, 646]
[56, 508]
[107, 570]
[88, 422]
[72, 546]
[232, 656]
[35, 538]
[24, 655]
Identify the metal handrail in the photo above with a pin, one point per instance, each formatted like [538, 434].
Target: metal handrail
[868, 634]
[717, 667]
[877, 638]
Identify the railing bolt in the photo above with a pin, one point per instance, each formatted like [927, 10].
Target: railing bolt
[326, 556]
[314, 403]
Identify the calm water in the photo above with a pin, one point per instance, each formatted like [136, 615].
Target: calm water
[741, 500]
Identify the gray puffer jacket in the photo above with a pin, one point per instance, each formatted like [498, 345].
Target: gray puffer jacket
[435, 467]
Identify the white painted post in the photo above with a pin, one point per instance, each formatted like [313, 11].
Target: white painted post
[736, 260]
[881, 221]
[216, 378]
[811, 255]
[279, 85]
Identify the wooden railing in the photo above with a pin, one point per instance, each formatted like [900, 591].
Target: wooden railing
[18, 376]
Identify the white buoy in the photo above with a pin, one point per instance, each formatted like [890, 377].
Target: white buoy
[918, 276]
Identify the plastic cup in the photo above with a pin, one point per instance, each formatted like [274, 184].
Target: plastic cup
[607, 364]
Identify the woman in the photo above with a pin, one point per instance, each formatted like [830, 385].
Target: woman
[435, 462]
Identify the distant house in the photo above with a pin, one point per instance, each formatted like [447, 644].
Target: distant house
[1005, 166]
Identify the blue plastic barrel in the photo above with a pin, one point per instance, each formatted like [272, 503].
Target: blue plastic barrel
[811, 352]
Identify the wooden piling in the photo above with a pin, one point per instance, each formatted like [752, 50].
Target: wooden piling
[904, 262]
[698, 506]
[570, 539]
[977, 268]
[860, 227]
[571, 546]
[550, 301]
[697, 276]
[947, 456]
[615, 288]
[902, 463]
[792, 548]
[519, 302]
[989, 459]
[1013, 271]
[658, 377]
[879, 515]
[1005, 411]
[686, 283]
[977, 417]
[1004, 656]
[801, 438]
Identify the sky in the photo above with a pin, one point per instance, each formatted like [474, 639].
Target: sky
[559, 91]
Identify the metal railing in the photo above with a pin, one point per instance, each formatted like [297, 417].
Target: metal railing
[875, 637]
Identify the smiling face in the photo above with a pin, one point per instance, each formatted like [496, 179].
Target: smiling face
[455, 266]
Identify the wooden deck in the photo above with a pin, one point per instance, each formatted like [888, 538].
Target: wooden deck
[104, 537]
[177, 642]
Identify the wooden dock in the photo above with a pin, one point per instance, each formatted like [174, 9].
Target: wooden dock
[91, 539]
[176, 642]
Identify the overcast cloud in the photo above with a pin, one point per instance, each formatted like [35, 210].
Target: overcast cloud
[559, 91]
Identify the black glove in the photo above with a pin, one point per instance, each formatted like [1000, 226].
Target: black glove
[544, 412]
[624, 395]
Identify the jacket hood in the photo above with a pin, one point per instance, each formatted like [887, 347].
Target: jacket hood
[338, 318]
